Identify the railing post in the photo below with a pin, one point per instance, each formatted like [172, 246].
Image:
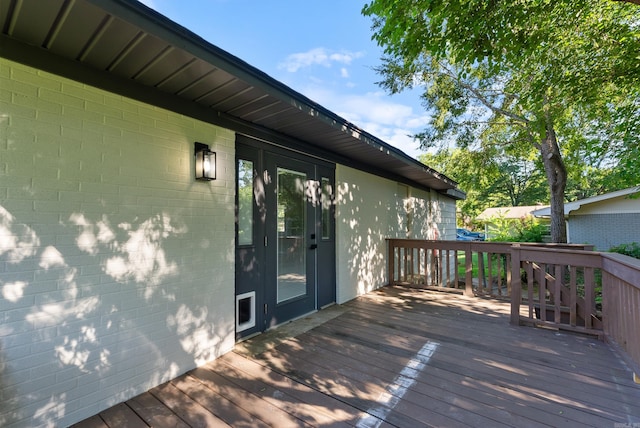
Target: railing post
[390, 259]
[516, 285]
[468, 265]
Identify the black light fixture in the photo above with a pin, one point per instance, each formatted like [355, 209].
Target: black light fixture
[205, 162]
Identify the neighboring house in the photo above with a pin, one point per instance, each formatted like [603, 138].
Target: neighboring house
[605, 221]
[489, 216]
[119, 270]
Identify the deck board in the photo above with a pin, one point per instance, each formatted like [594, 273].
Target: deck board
[364, 367]
[446, 386]
[154, 412]
[460, 361]
[495, 363]
[122, 415]
[185, 408]
[265, 412]
[297, 398]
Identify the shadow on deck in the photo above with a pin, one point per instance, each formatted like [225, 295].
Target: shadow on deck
[398, 357]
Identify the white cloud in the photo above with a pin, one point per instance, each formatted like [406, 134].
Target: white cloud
[397, 137]
[317, 56]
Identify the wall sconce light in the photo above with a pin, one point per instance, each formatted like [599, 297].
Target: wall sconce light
[205, 162]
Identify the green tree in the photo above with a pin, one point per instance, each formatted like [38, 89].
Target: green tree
[528, 68]
[489, 177]
[469, 169]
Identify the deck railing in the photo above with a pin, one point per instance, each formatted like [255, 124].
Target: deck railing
[560, 286]
[471, 267]
[621, 305]
[556, 287]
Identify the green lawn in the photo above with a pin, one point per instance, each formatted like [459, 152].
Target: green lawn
[474, 257]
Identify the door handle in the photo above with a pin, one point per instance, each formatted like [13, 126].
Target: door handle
[313, 246]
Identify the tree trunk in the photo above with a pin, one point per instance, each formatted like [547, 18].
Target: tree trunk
[557, 180]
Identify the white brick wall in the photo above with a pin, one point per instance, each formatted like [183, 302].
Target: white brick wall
[367, 213]
[116, 267]
[371, 209]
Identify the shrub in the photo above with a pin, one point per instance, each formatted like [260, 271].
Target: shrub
[525, 229]
[632, 249]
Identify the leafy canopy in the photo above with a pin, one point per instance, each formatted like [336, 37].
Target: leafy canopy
[546, 73]
[571, 43]
[540, 54]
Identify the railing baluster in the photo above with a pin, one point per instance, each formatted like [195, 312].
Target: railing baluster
[468, 263]
[516, 285]
[403, 278]
[431, 256]
[456, 271]
[419, 265]
[542, 291]
[529, 269]
[498, 273]
[490, 273]
[509, 273]
[573, 296]
[440, 273]
[589, 300]
[481, 283]
[557, 294]
[448, 281]
[390, 261]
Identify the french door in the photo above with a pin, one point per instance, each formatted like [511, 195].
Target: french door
[290, 239]
[285, 228]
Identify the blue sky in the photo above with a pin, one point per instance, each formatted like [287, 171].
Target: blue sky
[320, 48]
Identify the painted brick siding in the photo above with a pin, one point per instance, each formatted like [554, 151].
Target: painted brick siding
[432, 214]
[604, 230]
[116, 266]
[371, 209]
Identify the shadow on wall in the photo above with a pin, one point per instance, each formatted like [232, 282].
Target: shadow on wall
[427, 218]
[368, 215]
[74, 312]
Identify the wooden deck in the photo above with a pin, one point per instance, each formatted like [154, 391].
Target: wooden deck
[404, 358]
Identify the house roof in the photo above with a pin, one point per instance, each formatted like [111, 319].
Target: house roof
[508, 212]
[574, 206]
[127, 48]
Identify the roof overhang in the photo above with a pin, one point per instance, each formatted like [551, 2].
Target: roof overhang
[125, 47]
[576, 205]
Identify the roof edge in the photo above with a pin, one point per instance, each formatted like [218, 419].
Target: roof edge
[154, 22]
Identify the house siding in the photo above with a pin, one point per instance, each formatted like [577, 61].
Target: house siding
[371, 209]
[432, 215]
[604, 230]
[116, 266]
[619, 205]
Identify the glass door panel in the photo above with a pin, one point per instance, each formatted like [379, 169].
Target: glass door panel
[245, 202]
[292, 227]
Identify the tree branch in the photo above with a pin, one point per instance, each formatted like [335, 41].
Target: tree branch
[480, 97]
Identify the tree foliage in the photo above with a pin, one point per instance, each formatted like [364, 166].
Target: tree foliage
[526, 72]
[492, 179]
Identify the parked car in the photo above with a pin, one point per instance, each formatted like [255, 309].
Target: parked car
[476, 236]
[463, 237]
